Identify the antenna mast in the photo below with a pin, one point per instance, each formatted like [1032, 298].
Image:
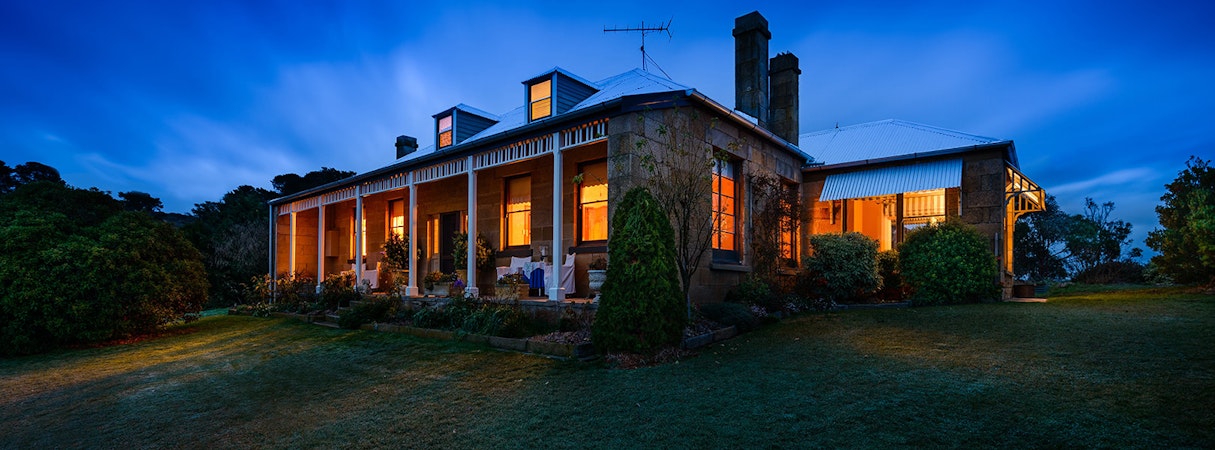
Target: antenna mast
[662, 27]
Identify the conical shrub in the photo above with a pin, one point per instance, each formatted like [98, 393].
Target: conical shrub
[641, 305]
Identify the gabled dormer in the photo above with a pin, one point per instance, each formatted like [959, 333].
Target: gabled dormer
[459, 123]
[554, 92]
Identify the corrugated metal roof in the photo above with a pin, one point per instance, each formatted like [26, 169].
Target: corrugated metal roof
[883, 139]
[633, 82]
[893, 180]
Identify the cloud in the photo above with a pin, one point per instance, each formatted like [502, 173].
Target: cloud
[1119, 179]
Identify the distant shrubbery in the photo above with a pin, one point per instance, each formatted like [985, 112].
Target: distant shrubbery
[948, 263]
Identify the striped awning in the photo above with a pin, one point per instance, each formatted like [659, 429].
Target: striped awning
[893, 180]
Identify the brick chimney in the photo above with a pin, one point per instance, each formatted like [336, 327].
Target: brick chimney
[406, 145]
[751, 66]
[785, 104]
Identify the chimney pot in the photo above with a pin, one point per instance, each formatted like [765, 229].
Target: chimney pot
[751, 37]
[785, 103]
[406, 145]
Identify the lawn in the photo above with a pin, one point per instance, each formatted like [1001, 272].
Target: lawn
[1109, 369]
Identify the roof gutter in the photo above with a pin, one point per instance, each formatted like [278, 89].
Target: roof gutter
[909, 156]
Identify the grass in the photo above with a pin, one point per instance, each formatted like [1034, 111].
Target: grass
[1106, 369]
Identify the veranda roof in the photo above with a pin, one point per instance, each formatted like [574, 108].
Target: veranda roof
[893, 180]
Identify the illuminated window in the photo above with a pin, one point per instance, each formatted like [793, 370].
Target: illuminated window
[592, 203]
[445, 131]
[724, 206]
[788, 229]
[396, 217]
[541, 99]
[518, 218]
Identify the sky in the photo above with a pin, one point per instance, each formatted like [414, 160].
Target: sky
[188, 100]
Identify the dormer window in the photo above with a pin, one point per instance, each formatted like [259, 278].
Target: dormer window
[541, 100]
[445, 131]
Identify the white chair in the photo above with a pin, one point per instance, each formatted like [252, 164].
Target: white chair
[567, 275]
[516, 266]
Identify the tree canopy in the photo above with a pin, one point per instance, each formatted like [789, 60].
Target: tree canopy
[1187, 214]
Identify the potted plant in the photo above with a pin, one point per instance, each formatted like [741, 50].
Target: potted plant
[511, 287]
[438, 284]
[596, 274]
[459, 253]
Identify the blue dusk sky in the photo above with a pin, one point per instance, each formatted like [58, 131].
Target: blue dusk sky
[187, 100]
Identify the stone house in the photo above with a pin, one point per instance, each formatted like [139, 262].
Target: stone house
[540, 181]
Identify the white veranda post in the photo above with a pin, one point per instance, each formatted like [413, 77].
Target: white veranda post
[412, 290]
[470, 264]
[555, 291]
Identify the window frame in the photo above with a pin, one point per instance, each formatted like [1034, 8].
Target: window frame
[579, 204]
[404, 228]
[450, 131]
[506, 213]
[732, 255]
[532, 100]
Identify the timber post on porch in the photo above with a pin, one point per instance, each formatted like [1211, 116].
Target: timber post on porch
[273, 257]
[470, 260]
[358, 236]
[412, 289]
[556, 293]
[320, 247]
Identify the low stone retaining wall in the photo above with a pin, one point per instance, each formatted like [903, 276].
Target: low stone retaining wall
[709, 338]
[552, 349]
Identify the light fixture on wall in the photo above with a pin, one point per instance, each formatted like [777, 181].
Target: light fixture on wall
[543, 252]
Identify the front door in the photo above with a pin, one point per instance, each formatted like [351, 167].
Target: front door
[449, 227]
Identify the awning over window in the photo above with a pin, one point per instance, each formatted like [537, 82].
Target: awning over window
[893, 180]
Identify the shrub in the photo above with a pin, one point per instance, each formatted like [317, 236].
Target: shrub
[641, 307]
[840, 266]
[948, 263]
[498, 320]
[295, 292]
[338, 290]
[730, 314]
[75, 269]
[893, 289]
[1113, 272]
[753, 291]
[373, 309]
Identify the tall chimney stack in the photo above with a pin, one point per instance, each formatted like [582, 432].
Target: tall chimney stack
[406, 145]
[785, 104]
[751, 66]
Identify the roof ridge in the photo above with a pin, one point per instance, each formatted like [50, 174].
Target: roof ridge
[906, 124]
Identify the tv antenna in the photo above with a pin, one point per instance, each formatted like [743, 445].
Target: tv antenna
[662, 27]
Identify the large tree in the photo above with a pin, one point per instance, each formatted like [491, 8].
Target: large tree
[232, 236]
[1187, 214]
[12, 177]
[1040, 242]
[1094, 239]
[290, 183]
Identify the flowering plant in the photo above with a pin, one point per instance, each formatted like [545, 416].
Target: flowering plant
[514, 279]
